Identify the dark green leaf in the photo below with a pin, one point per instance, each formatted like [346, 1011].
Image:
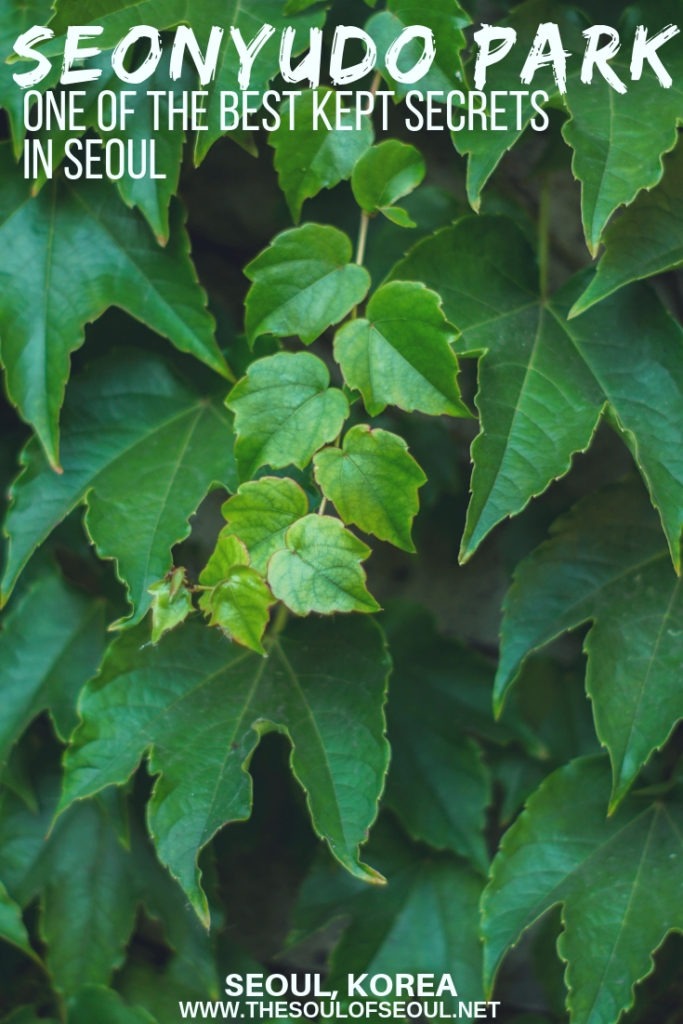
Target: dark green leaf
[201, 706]
[142, 450]
[75, 252]
[310, 157]
[621, 580]
[617, 878]
[50, 645]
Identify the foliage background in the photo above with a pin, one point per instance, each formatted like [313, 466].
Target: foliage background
[116, 373]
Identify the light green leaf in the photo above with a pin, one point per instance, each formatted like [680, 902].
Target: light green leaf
[261, 513]
[647, 239]
[285, 411]
[401, 354]
[51, 643]
[229, 552]
[373, 482]
[385, 174]
[55, 283]
[95, 1003]
[171, 603]
[240, 605]
[141, 450]
[617, 878]
[201, 707]
[544, 380]
[621, 581]
[438, 785]
[309, 158]
[320, 569]
[424, 921]
[303, 283]
[12, 927]
[446, 19]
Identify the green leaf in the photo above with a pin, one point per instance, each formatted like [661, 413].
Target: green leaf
[645, 240]
[320, 569]
[171, 603]
[619, 140]
[438, 785]
[201, 707]
[373, 482]
[261, 513]
[240, 605]
[50, 645]
[248, 16]
[141, 449]
[106, 1007]
[83, 876]
[309, 157]
[385, 174]
[16, 17]
[303, 283]
[401, 354]
[621, 581]
[285, 411]
[615, 877]
[120, 265]
[544, 380]
[228, 553]
[446, 19]
[12, 927]
[424, 921]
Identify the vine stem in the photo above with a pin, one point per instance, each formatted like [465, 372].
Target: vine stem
[544, 237]
[362, 238]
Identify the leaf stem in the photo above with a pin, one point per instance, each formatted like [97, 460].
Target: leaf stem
[362, 238]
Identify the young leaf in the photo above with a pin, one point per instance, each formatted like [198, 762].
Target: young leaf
[385, 174]
[373, 482]
[240, 605]
[285, 411]
[622, 581]
[310, 157]
[52, 287]
[614, 877]
[261, 513]
[171, 603]
[423, 922]
[201, 707]
[320, 569]
[303, 283]
[645, 240]
[141, 450]
[229, 552]
[50, 645]
[401, 354]
[544, 380]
